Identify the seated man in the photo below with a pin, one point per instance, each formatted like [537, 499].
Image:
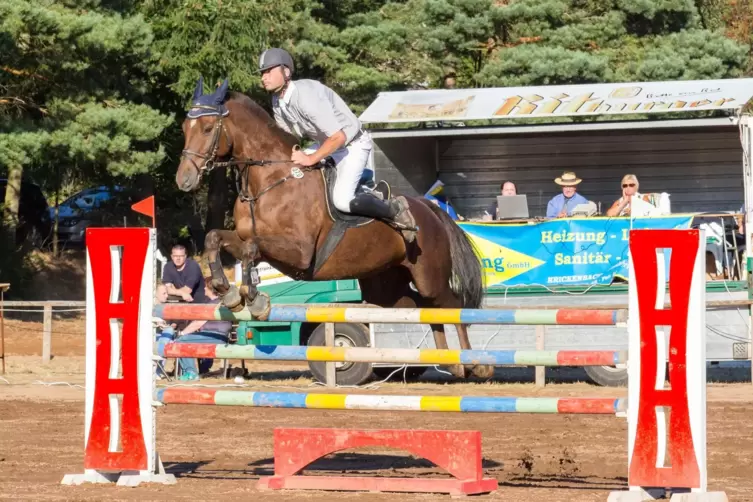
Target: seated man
[183, 277]
[215, 332]
[562, 205]
[165, 332]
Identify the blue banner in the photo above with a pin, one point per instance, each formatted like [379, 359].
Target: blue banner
[576, 251]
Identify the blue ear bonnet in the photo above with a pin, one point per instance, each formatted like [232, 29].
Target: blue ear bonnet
[203, 105]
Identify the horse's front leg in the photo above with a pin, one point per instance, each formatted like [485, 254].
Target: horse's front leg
[232, 243]
[248, 253]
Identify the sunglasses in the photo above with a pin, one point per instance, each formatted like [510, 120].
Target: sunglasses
[625, 185]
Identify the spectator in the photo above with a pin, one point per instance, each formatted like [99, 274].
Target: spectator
[165, 330]
[506, 188]
[562, 205]
[209, 332]
[161, 297]
[621, 206]
[183, 277]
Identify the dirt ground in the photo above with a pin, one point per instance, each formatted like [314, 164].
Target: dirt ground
[218, 454]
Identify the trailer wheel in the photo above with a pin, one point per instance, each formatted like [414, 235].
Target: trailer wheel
[346, 335]
[608, 376]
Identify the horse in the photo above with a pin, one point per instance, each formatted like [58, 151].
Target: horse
[282, 217]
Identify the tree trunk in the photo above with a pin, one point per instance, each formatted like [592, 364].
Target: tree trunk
[56, 221]
[12, 201]
[217, 204]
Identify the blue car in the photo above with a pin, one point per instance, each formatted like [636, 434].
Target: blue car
[74, 214]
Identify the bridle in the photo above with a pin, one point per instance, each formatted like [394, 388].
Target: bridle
[210, 163]
[210, 159]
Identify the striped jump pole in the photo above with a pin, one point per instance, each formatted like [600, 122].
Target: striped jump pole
[398, 356]
[465, 404]
[282, 313]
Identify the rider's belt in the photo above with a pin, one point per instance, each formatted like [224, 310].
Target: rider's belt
[355, 138]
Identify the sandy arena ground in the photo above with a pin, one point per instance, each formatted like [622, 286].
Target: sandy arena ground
[218, 454]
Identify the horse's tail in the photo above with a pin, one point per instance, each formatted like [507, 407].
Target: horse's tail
[467, 280]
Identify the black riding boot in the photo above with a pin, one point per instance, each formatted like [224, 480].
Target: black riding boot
[368, 205]
[394, 210]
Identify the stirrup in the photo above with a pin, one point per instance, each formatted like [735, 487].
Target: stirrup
[409, 234]
[371, 191]
[401, 227]
[409, 231]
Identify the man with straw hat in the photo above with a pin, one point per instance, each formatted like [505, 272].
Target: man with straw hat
[562, 205]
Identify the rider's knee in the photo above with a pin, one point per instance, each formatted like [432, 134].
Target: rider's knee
[342, 201]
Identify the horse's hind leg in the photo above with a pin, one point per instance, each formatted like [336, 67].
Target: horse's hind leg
[478, 370]
[448, 300]
[391, 288]
[440, 340]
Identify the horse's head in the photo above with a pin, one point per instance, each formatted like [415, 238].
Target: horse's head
[207, 139]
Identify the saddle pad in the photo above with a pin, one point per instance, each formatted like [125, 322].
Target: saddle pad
[342, 221]
[329, 175]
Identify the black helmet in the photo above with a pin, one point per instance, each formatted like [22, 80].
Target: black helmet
[275, 57]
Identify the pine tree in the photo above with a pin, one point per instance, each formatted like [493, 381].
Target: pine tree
[577, 41]
[74, 91]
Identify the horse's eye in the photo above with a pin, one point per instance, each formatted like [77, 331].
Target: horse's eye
[207, 129]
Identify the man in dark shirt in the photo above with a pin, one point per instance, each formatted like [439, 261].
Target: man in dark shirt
[183, 277]
[209, 332]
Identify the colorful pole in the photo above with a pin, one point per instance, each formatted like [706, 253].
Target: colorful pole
[467, 404]
[399, 356]
[209, 312]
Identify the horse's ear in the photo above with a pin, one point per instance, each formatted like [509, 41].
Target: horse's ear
[199, 91]
[222, 91]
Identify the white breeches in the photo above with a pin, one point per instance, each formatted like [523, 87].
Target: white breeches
[351, 162]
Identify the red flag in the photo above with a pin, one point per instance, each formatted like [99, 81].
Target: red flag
[146, 207]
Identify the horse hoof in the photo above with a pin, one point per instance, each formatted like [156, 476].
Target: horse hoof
[457, 370]
[220, 287]
[484, 372]
[233, 300]
[261, 306]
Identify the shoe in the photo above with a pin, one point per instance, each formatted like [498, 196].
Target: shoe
[189, 376]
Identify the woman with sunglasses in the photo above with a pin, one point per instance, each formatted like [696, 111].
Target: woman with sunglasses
[621, 206]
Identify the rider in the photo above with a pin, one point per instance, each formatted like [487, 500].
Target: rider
[307, 108]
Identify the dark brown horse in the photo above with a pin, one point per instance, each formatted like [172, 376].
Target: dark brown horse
[286, 222]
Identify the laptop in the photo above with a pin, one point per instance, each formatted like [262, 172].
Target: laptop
[512, 206]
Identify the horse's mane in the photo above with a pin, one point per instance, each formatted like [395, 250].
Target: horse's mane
[260, 113]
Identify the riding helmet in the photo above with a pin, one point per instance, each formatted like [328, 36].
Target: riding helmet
[275, 57]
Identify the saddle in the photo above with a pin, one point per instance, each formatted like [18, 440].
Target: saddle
[343, 221]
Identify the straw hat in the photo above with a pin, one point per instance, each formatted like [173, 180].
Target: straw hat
[568, 179]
